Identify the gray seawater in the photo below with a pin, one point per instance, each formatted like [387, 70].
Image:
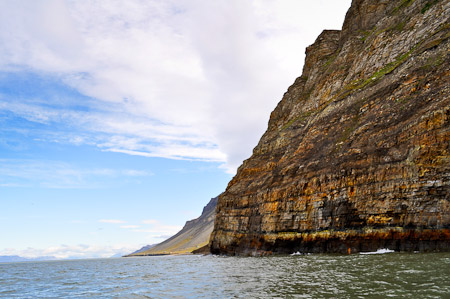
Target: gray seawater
[397, 275]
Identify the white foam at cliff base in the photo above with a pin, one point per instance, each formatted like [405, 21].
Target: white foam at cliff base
[379, 251]
[301, 253]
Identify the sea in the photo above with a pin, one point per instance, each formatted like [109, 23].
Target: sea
[383, 274]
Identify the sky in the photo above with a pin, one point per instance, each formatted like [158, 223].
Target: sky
[120, 120]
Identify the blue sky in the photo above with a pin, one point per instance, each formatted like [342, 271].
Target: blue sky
[119, 120]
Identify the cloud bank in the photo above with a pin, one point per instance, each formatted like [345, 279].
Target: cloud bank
[72, 251]
[175, 79]
[151, 230]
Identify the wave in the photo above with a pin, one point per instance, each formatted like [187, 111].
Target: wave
[379, 251]
[300, 253]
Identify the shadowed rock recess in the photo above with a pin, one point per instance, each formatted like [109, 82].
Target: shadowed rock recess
[356, 154]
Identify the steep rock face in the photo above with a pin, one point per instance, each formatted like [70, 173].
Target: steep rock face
[356, 154]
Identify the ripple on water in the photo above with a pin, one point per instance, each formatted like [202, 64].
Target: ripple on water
[301, 276]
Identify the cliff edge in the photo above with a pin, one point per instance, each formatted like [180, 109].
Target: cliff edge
[356, 154]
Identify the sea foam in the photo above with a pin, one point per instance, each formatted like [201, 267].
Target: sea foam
[379, 251]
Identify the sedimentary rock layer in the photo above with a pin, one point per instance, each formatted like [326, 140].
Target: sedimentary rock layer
[356, 154]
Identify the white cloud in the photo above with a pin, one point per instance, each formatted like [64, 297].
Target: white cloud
[155, 229]
[176, 79]
[132, 172]
[114, 221]
[72, 251]
[60, 175]
[150, 221]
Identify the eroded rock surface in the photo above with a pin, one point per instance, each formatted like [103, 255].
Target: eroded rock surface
[356, 154]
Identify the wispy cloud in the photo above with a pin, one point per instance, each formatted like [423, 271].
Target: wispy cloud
[129, 226]
[150, 221]
[114, 221]
[155, 229]
[57, 174]
[165, 229]
[131, 172]
[115, 132]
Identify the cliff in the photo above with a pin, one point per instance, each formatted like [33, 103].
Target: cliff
[194, 235]
[356, 154]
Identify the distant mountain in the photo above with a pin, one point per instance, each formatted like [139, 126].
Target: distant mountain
[145, 248]
[194, 235]
[16, 258]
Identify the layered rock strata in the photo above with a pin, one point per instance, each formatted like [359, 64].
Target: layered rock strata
[356, 154]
